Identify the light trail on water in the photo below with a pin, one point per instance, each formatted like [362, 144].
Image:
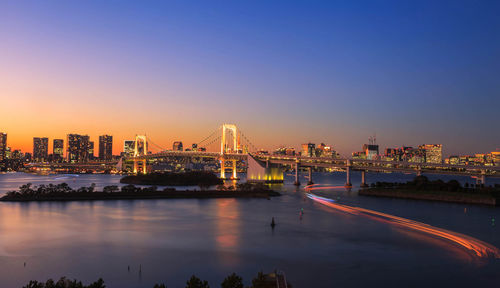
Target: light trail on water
[479, 248]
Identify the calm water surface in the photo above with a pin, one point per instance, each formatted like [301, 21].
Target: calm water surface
[173, 239]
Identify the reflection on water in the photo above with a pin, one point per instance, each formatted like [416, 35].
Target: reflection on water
[172, 239]
[479, 248]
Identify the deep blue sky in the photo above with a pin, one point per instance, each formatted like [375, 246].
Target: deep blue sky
[286, 72]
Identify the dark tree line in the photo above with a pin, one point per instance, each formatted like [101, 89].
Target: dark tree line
[232, 281]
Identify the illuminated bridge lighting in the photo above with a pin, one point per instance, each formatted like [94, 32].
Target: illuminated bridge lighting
[479, 248]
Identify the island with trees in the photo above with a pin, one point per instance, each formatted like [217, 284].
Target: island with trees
[63, 192]
[421, 188]
[191, 178]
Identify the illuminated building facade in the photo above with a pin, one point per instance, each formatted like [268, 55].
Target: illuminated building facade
[3, 145]
[78, 147]
[40, 149]
[371, 151]
[309, 150]
[58, 149]
[105, 147]
[433, 153]
[91, 150]
[128, 148]
[177, 146]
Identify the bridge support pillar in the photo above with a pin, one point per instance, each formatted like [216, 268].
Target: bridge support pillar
[144, 166]
[363, 179]
[235, 176]
[310, 181]
[348, 174]
[222, 169]
[297, 182]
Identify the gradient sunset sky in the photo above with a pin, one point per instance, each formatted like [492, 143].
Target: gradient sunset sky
[286, 72]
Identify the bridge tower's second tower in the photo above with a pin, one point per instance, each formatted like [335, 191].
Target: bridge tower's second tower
[229, 130]
[140, 149]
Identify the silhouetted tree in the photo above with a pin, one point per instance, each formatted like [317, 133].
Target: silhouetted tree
[160, 286]
[98, 284]
[195, 282]
[232, 281]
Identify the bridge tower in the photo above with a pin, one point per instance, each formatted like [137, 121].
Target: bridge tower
[140, 149]
[225, 148]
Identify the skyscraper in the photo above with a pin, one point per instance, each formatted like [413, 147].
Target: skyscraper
[58, 149]
[91, 150]
[177, 146]
[40, 149]
[105, 147]
[3, 145]
[371, 151]
[128, 148]
[78, 148]
[309, 149]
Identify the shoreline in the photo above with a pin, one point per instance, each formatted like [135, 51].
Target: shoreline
[143, 195]
[441, 196]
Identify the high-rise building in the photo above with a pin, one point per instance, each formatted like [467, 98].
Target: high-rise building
[105, 147]
[78, 148]
[91, 150]
[433, 153]
[58, 149]
[309, 149]
[128, 148]
[178, 146]
[371, 151]
[40, 149]
[8, 153]
[3, 145]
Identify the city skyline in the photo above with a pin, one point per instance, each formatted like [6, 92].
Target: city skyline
[136, 69]
[119, 147]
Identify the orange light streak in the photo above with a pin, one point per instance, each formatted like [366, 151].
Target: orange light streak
[478, 247]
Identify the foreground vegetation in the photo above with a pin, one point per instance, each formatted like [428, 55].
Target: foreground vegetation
[62, 192]
[232, 281]
[437, 190]
[192, 178]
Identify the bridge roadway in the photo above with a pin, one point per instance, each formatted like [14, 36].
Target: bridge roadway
[363, 165]
[480, 172]
[342, 163]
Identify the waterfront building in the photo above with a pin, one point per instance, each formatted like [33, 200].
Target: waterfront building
[91, 150]
[280, 151]
[359, 155]
[433, 153]
[177, 146]
[8, 153]
[3, 145]
[105, 147]
[495, 157]
[40, 149]
[371, 151]
[290, 151]
[454, 160]
[17, 154]
[78, 147]
[58, 149]
[28, 157]
[128, 148]
[309, 150]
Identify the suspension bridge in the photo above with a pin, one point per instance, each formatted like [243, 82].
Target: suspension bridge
[229, 145]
